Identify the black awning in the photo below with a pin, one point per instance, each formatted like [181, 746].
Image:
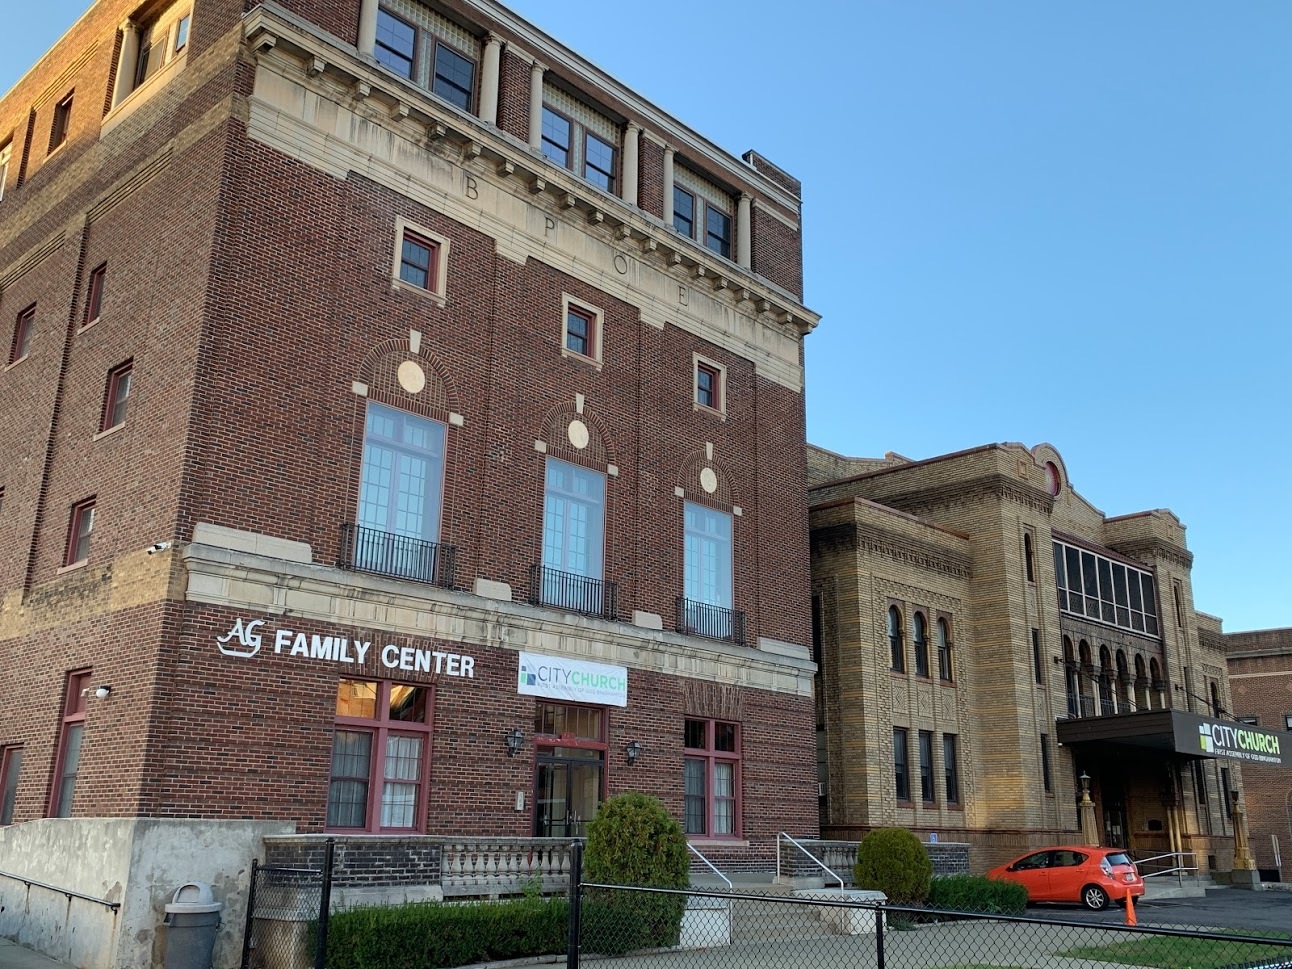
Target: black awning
[1181, 733]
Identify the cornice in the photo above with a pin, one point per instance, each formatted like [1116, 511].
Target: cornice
[994, 485]
[864, 538]
[1154, 547]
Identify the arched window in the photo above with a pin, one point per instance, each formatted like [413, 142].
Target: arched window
[1216, 708]
[921, 645]
[1070, 678]
[1123, 683]
[1155, 683]
[1027, 558]
[1085, 680]
[1141, 684]
[1106, 704]
[944, 651]
[895, 639]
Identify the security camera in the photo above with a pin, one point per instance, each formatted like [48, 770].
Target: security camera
[156, 547]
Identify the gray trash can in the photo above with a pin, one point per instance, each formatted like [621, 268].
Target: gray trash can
[192, 920]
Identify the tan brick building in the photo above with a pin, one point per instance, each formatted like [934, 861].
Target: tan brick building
[985, 636]
[395, 408]
[1260, 679]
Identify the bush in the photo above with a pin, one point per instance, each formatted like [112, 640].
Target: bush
[633, 841]
[893, 861]
[975, 893]
[430, 935]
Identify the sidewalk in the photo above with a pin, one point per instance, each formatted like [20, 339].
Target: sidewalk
[14, 956]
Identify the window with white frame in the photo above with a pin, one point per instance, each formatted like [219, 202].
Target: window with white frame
[711, 782]
[1105, 590]
[401, 494]
[381, 748]
[574, 515]
[708, 555]
[161, 42]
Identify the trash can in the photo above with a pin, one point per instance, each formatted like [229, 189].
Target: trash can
[192, 920]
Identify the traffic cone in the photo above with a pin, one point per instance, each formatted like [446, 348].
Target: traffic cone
[1130, 909]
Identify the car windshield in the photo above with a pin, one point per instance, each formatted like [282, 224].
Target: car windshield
[1118, 858]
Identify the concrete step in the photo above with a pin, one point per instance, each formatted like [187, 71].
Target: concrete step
[14, 956]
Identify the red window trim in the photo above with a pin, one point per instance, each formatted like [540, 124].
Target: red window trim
[106, 422]
[711, 758]
[74, 529]
[590, 318]
[715, 374]
[382, 727]
[94, 295]
[21, 344]
[60, 129]
[432, 263]
[78, 682]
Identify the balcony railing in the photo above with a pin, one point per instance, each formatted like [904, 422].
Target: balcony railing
[709, 621]
[569, 590]
[385, 553]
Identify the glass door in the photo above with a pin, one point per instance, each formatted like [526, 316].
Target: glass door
[567, 790]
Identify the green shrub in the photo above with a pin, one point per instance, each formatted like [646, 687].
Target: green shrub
[633, 841]
[975, 893]
[893, 861]
[430, 935]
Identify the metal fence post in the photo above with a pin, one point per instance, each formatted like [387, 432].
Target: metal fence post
[251, 912]
[879, 936]
[576, 905]
[325, 903]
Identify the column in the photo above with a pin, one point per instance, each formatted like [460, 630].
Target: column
[367, 27]
[536, 106]
[632, 142]
[127, 62]
[668, 185]
[489, 80]
[744, 239]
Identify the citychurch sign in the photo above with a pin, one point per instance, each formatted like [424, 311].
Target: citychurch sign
[247, 637]
[1231, 740]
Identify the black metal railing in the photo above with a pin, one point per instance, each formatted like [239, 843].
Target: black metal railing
[385, 553]
[710, 621]
[569, 590]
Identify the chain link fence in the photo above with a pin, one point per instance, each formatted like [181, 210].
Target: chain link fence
[287, 916]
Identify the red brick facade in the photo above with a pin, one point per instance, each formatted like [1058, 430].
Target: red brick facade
[249, 283]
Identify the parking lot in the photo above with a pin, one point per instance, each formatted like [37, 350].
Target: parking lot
[1223, 908]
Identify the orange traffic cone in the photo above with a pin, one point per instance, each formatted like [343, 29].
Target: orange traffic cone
[1130, 909]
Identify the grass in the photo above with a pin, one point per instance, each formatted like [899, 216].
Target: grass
[1175, 952]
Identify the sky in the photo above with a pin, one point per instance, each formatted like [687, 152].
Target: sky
[1023, 221]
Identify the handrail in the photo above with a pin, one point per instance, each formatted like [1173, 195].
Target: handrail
[1167, 871]
[696, 851]
[817, 861]
[67, 892]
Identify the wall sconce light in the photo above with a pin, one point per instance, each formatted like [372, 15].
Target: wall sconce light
[103, 691]
[633, 751]
[515, 740]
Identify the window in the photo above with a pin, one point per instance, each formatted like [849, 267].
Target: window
[707, 553]
[1045, 763]
[400, 494]
[708, 386]
[1287, 717]
[396, 45]
[68, 760]
[1105, 590]
[951, 768]
[901, 765]
[10, 765]
[684, 212]
[62, 120]
[921, 643]
[599, 162]
[945, 668]
[1226, 792]
[574, 510]
[1200, 781]
[380, 756]
[454, 76]
[181, 33]
[22, 334]
[417, 257]
[895, 646]
[94, 296]
[160, 43]
[1250, 721]
[717, 231]
[79, 530]
[926, 767]
[1036, 657]
[1179, 599]
[116, 396]
[1028, 568]
[580, 328]
[6, 153]
[421, 261]
[556, 137]
[711, 762]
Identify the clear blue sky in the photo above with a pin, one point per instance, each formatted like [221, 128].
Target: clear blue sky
[1025, 221]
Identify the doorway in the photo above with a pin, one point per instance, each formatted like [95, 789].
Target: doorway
[567, 790]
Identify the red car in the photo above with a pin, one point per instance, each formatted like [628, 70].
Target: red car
[1091, 876]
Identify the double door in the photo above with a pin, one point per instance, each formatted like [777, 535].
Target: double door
[567, 789]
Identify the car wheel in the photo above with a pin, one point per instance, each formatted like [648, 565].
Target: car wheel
[1094, 898]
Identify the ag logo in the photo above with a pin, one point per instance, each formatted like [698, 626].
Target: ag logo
[248, 640]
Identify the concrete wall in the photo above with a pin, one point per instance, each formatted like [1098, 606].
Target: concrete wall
[137, 863]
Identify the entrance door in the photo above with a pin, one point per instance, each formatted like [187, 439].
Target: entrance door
[1114, 810]
[567, 790]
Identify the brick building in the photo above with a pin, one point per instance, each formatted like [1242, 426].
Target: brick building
[1260, 678]
[403, 432]
[986, 636]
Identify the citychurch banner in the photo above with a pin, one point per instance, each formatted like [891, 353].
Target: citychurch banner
[578, 681]
[1230, 740]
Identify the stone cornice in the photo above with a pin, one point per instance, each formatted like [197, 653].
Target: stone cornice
[863, 537]
[257, 584]
[1147, 549]
[992, 485]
